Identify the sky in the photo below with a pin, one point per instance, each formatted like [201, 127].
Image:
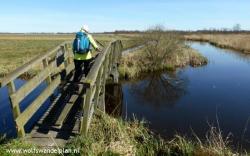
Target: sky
[110, 15]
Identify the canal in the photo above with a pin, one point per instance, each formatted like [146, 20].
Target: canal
[191, 100]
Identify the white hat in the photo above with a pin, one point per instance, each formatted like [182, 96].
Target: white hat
[85, 28]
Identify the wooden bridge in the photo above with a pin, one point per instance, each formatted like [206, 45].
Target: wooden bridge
[71, 109]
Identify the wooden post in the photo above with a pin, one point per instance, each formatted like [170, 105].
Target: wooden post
[68, 60]
[98, 87]
[15, 109]
[70, 54]
[110, 59]
[104, 77]
[102, 99]
[86, 108]
[114, 53]
[45, 64]
[66, 55]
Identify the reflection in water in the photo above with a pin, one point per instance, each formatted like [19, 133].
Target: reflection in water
[160, 89]
[113, 99]
[193, 97]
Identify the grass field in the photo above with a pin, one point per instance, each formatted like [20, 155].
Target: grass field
[17, 49]
[14, 53]
[239, 42]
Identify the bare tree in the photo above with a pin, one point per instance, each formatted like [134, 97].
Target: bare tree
[159, 45]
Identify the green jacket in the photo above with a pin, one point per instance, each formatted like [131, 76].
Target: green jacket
[87, 55]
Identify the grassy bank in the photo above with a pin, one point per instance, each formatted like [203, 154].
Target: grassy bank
[239, 42]
[118, 137]
[168, 53]
[110, 136]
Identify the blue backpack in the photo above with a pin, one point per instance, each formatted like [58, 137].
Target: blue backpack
[81, 43]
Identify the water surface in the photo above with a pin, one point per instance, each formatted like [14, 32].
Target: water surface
[7, 124]
[191, 99]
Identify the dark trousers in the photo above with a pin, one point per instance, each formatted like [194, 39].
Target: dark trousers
[81, 67]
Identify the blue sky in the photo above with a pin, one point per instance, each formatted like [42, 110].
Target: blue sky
[109, 15]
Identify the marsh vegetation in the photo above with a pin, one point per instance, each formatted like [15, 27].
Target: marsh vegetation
[239, 42]
[162, 51]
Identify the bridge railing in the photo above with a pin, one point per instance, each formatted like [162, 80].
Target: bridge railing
[53, 62]
[105, 67]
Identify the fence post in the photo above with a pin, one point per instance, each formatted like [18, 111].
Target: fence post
[70, 54]
[67, 55]
[98, 87]
[15, 108]
[45, 64]
[110, 58]
[86, 109]
[103, 84]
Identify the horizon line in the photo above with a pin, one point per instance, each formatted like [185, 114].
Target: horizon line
[128, 31]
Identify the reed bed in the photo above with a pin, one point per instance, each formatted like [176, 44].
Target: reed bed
[239, 42]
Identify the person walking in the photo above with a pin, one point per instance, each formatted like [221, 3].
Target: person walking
[83, 52]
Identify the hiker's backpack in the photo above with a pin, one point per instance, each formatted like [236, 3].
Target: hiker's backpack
[81, 43]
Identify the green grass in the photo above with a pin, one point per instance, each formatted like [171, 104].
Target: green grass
[15, 50]
[109, 136]
[14, 53]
